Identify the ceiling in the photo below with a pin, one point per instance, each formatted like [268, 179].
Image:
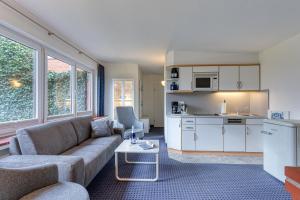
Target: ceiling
[141, 31]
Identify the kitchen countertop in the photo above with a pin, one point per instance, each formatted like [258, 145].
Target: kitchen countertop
[289, 123]
[219, 116]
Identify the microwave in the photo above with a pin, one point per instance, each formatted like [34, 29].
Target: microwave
[205, 81]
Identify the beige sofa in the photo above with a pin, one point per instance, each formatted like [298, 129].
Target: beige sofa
[68, 144]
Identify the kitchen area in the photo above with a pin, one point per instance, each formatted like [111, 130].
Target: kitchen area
[221, 110]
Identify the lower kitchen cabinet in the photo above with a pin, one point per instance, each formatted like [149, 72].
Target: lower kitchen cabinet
[234, 138]
[188, 140]
[254, 138]
[174, 132]
[209, 138]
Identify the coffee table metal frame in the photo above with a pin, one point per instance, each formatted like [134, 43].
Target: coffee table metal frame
[150, 151]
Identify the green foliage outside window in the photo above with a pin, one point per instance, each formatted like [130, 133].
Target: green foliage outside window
[17, 83]
[17, 66]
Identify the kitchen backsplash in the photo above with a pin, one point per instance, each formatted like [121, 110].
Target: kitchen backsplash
[242, 102]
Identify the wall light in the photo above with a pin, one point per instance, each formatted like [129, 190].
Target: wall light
[163, 83]
[15, 83]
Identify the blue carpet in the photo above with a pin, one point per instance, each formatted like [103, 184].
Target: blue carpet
[186, 181]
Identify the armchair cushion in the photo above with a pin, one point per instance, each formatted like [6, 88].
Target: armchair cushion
[59, 191]
[18, 181]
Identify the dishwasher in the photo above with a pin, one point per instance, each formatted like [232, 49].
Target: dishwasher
[234, 134]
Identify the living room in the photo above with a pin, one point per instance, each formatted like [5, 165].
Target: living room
[131, 99]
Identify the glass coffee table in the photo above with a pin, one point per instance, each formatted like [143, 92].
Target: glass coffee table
[126, 147]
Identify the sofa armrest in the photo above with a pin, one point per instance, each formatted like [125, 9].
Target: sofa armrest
[16, 181]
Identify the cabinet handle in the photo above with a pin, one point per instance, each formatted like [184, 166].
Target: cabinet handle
[266, 132]
[247, 130]
[241, 84]
[179, 125]
[191, 84]
[190, 121]
[237, 85]
[188, 127]
[223, 130]
[195, 137]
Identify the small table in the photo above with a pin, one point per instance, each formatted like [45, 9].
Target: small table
[126, 147]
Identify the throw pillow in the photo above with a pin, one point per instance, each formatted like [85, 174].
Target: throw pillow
[100, 128]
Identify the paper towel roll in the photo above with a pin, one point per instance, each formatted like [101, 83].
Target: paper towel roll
[223, 108]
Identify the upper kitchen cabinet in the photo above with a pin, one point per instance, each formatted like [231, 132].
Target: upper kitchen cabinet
[249, 78]
[228, 78]
[185, 81]
[241, 78]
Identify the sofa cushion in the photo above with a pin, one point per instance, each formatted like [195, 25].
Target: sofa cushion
[110, 143]
[47, 139]
[70, 168]
[94, 158]
[101, 128]
[14, 147]
[82, 126]
[59, 191]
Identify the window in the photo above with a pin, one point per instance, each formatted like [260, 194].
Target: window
[83, 94]
[59, 87]
[123, 93]
[18, 64]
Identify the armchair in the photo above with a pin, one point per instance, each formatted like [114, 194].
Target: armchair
[127, 119]
[37, 183]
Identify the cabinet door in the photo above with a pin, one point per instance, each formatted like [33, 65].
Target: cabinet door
[185, 78]
[279, 149]
[209, 138]
[254, 138]
[234, 138]
[174, 133]
[228, 78]
[188, 140]
[249, 78]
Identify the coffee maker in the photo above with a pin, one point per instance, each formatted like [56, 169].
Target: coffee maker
[175, 109]
[179, 107]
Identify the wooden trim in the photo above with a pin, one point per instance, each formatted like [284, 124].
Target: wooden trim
[209, 65]
[216, 153]
[179, 91]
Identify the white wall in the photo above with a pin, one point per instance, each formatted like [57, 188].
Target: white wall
[151, 82]
[207, 57]
[280, 73]
[22, 25]
[120, 71]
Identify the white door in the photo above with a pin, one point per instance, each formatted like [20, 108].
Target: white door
[279, 149]
[228, 78]
[254, 138]
[174, 133]
[188, 140]
[234, 138]
[185, 78]
[158, 102]
[249, 78]
[209, 138]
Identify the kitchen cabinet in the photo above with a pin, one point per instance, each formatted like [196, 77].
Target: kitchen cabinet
[188, 140]
[239, 78]
[254, 138]
[234, 138]
[209, 137]
[185, 80]
[228, 78]
[249, 78]
[174, 132]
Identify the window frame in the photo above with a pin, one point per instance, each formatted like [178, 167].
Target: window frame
[87, 112]
[113, 92]
[55, 55]
[40, 87]
[7, 127]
